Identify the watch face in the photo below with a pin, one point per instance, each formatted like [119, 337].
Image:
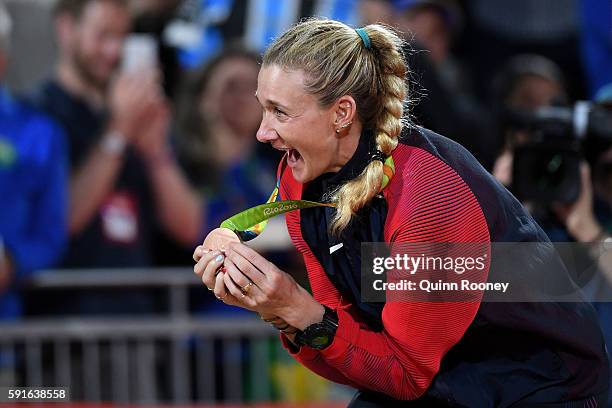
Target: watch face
[320, 335]
[320, 341]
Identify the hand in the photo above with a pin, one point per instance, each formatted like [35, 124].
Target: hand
[152, 138]
[502, 169]
[578, 217]
[209, 266]
[259, 285]
[132, 96]
[275, 321]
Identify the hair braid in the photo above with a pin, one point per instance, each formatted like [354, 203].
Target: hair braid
[355, 194]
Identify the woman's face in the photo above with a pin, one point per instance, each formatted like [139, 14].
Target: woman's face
[294, 122]
[229, 95]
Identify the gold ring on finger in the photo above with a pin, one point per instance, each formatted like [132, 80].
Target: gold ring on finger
[245, 289]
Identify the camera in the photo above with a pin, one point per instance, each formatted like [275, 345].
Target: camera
[546, 165]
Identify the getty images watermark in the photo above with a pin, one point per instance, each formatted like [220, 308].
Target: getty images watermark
[423, 264]
[487, 272]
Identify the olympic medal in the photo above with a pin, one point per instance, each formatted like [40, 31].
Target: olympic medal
[219, 239]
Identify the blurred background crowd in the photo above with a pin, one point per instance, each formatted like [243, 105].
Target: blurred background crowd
[127, 127]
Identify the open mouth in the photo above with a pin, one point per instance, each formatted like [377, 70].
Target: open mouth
[293, 156]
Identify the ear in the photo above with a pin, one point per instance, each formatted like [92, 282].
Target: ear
[345, 112]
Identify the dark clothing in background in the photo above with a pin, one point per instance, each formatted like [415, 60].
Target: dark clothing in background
[102, 243]
[445, 111]
[119, 234]
[496, 30]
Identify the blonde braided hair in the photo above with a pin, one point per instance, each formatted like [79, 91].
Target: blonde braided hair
[336, 62]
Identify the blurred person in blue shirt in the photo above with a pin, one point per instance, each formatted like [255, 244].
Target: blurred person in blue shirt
[32, 187]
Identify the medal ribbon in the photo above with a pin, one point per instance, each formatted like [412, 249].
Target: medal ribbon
[249, 223]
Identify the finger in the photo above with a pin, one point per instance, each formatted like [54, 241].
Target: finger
[246, 269]
[240, 279]
[585, 175]
[225, 296]
[250, 255]
[200, 266]
[209, 275]
[253, 271]
[199, 252]
[220, 290]
[236, 292]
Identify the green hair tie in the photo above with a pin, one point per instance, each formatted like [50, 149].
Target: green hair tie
[364, 37]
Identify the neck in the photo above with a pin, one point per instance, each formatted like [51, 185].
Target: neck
[347, 146]
[75, 84]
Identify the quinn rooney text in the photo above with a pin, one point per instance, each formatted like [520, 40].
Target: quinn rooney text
[428, 286]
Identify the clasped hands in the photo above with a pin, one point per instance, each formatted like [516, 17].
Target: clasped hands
[242, 277]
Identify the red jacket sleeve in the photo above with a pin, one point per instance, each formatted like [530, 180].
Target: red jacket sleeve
[313, 360]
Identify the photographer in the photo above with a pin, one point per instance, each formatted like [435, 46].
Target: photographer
[543, 160]
[589, 219]
[526, 83]
[547, 162]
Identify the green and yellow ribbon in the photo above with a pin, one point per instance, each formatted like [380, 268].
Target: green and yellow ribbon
[249, 223]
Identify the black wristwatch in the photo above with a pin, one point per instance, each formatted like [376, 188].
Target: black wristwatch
[319, 335]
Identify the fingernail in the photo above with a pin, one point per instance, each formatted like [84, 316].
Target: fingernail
[219, 258]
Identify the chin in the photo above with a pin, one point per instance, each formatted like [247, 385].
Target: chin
[302, 175]
[299, 176]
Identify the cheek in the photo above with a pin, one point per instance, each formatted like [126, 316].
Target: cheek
[315, 139]
[87, 38]
[318, 155]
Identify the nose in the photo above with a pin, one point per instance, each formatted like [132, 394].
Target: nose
[265, 133]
